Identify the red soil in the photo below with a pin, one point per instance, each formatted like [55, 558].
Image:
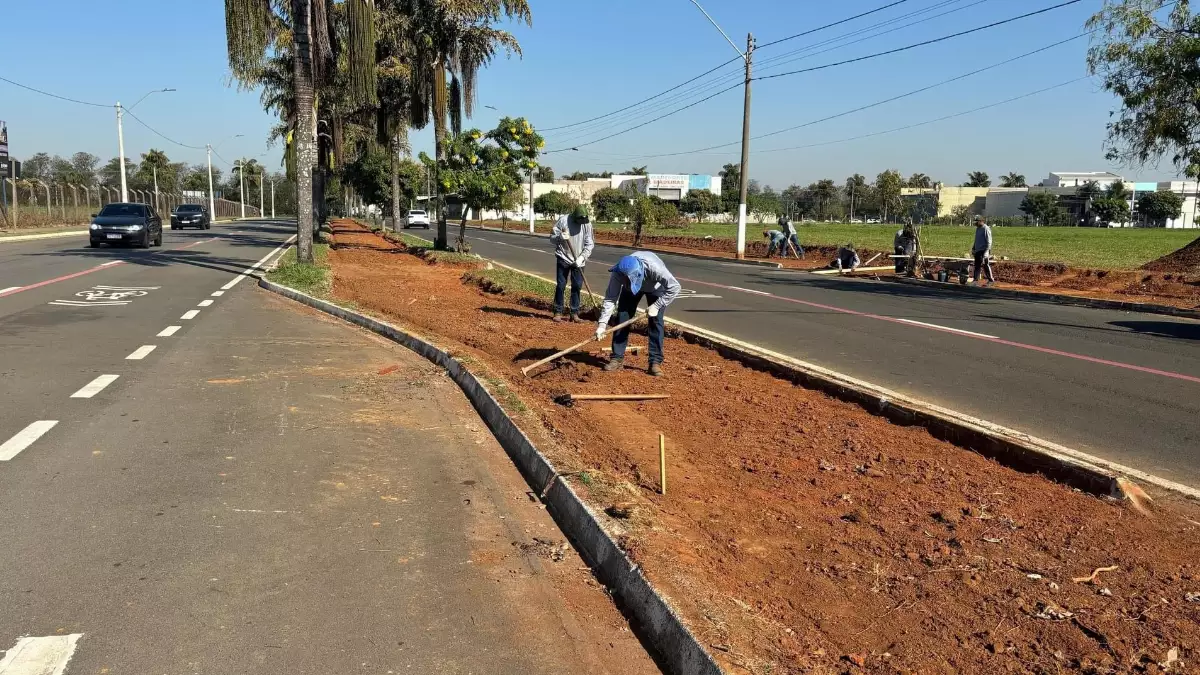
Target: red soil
[803, 534]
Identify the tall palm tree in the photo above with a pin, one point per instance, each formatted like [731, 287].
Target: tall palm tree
[253, 30]
[1013, 179]
[452, 40]
[978, 179]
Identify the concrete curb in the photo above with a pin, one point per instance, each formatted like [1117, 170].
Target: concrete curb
[677, 647]
[47, 235]
[1009, 447]
[697, 256]
[1052, 298]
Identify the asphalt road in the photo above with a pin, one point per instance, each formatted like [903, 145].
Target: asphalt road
[1120, 385]
[199, 477]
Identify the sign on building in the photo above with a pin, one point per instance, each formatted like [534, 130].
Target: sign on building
[3, 139]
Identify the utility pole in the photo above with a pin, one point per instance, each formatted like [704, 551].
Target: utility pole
[212, 200]
[261, 212]
[272, 199]
[745, 168]
[154, 168]
[532, 217]
[121, 151]
[242, 185]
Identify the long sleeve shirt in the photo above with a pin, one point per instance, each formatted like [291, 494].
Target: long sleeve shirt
[579, 234]
[658, 280]
[983, 240]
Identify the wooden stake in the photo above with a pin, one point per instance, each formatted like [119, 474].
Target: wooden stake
[662, 462]
[618, 397]
[872, 259]
[568, 350]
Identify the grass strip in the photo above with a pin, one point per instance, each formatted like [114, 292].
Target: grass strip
[315, 279]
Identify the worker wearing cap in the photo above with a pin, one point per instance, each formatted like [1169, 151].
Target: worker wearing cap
[905, 245]
[775, 241]
[847, 258]
[638, 274]
[981, 250]
[573, 244]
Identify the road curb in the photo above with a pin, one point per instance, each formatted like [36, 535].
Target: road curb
[697, 256]
[1006, 446]
[663, 629]
[1051, 298]
[47, 235]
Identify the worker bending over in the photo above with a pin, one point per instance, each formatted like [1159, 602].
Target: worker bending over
[775, 241]
[905, 245]
[790, 237]
[573, 244]
[847, 259]
[638, 274]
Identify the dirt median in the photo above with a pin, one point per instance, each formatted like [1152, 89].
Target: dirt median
[802, 534]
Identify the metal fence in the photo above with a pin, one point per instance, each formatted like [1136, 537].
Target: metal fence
[35, 203]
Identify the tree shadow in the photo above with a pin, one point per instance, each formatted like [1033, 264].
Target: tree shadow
[1168, 329]
[518, 313]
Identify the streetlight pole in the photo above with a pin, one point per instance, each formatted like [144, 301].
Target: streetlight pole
[261, 211]
[212, 200]
[240, 165]
[121, 138]
[272, 199]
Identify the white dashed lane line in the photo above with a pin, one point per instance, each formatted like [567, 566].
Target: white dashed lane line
[23, 439]
[190, 314]
[169, 331]
[47, 655]
[140, 353]
[10, 288]
[95, 386]
[217, 294]
[205, 303]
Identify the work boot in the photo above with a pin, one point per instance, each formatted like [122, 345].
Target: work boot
[614, 364]
[574, 317]
[655, 369]
[556, 318]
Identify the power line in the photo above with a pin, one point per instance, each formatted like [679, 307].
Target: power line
[162, 135]
[920, 44]
[831, 25]
[932, 121]
[61, 98]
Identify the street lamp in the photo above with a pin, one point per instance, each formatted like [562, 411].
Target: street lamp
[240, 165]
[212, 201]
[121, 138]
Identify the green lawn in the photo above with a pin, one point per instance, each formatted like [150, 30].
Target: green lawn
[312, 279]
[1102, 248]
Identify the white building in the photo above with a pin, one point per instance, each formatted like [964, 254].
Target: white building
[1077, 178]
[669, 186]
[1187, 189]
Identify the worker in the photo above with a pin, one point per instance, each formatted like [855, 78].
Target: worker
[789, 231]
[573, 244]
[638, 274]
[905, 245]
[847, 258]
[982, 250]
[775, 241]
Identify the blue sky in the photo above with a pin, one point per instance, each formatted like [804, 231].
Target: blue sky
[582, 60]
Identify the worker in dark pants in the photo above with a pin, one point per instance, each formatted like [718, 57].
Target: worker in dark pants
[573, 244]
[982, 251]
[636, 275]
[904, 244]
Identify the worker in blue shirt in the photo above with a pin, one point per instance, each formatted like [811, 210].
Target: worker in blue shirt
[636, 275]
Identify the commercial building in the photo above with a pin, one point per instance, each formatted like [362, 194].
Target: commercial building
[1073, 179]
[671, 187]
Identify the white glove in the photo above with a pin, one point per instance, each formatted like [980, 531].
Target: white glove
[652, 310]
[600, 330]
[579, 262]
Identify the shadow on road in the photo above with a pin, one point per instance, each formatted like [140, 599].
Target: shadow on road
[1178, 330]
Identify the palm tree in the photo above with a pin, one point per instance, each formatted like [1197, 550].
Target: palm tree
[253, 31]
[920, 180]
[1012, 179]
[978, 179]
[637, 171]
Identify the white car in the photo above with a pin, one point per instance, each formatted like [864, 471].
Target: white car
[416, 218]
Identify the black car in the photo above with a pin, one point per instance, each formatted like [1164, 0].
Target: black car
[126, 223]
[191, 215]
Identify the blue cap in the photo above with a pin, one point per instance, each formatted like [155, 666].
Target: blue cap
[631, 267]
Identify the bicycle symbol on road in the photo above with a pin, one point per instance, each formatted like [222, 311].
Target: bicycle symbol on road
[98, 296]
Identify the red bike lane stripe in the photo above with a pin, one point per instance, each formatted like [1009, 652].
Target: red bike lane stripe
[1010, 343]
[97, 268]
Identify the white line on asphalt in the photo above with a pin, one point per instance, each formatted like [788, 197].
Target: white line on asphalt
[95, 386]
[190, 314]
[47, 655]
[217, 294]
[114, 262]
[952, 330]
[10, 288]
[16, 444]
[246, 272]
[169, 331]
[140, 353]
[749, 290]
[205, 303]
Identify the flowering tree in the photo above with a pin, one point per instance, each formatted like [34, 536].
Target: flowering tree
[484, 169]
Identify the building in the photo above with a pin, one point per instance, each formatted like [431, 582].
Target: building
[1073, 179]
[671, 187]
[947, 198]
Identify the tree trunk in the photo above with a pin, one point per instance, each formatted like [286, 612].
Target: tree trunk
[442, 240]
[306, 155]
[395, 182]
[461, 244]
